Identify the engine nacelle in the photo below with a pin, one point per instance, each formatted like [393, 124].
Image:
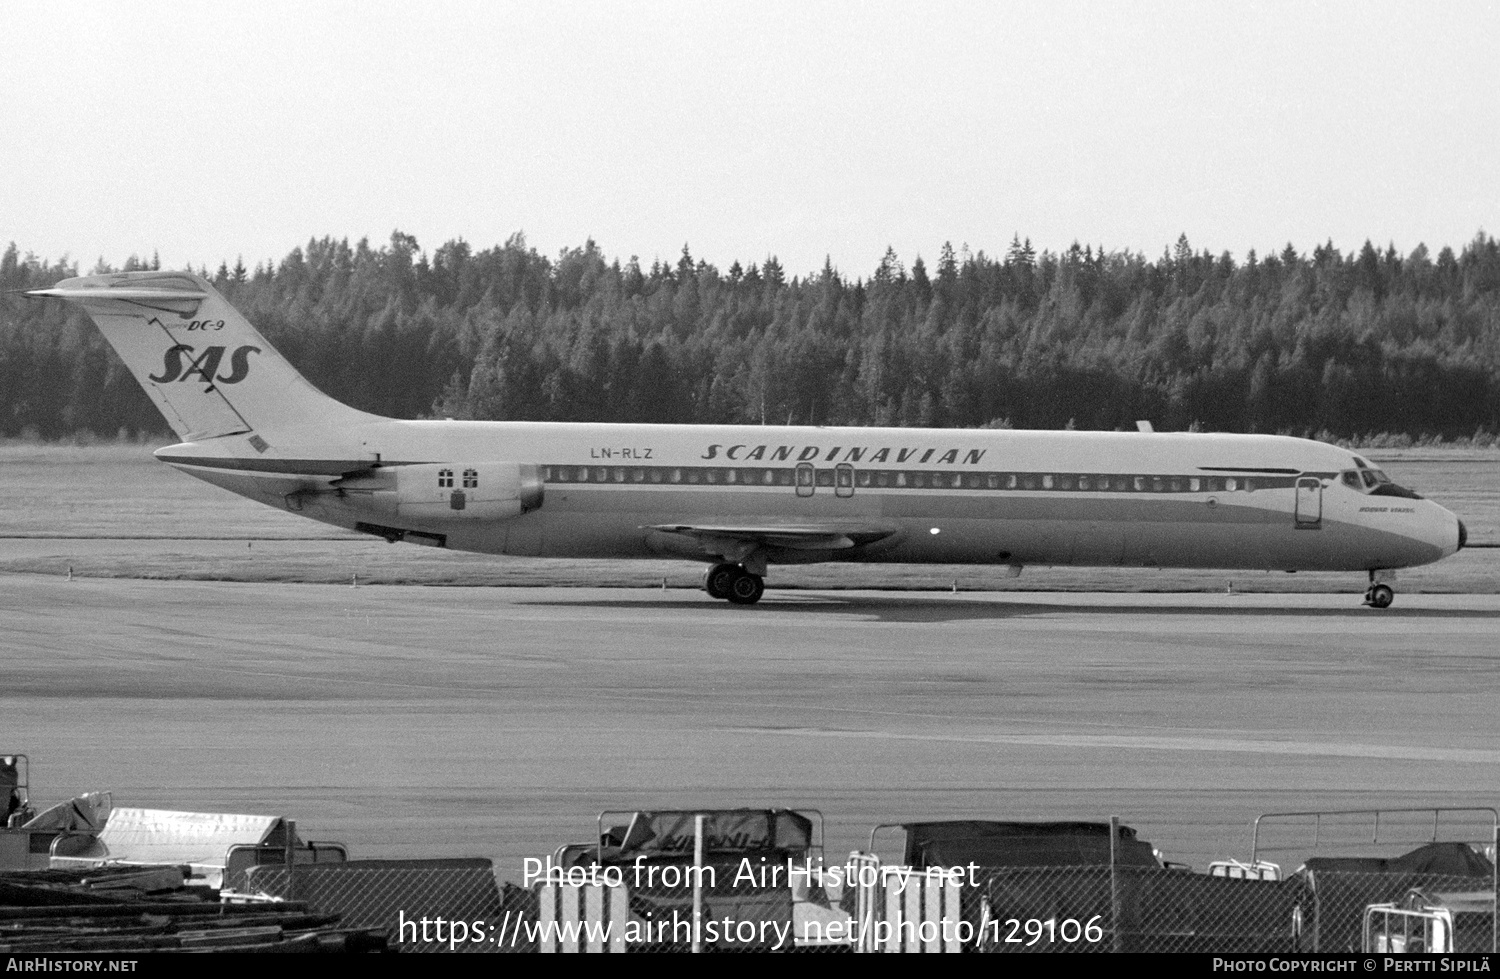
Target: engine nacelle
[451, 491]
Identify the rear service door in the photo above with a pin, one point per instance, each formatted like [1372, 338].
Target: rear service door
[843, 480]
[807, 479]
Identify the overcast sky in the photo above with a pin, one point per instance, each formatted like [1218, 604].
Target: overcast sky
[206, 131]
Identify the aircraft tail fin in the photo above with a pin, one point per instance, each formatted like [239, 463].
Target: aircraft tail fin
[208, 370]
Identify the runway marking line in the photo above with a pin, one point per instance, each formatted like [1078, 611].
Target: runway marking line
[1148, 743]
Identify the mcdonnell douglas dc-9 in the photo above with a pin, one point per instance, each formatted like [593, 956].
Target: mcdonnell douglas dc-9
[741, 498]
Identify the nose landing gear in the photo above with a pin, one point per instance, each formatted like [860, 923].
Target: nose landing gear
[734, 583]
[1379, 594]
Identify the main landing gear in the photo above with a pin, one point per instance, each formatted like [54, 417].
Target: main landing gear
[732, 582]
[1379, 594]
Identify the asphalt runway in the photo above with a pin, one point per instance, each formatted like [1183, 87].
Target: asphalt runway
[420, 721]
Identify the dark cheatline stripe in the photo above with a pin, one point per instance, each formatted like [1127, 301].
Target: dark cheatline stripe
[1257, 469]
[316, 467]
[868, 480]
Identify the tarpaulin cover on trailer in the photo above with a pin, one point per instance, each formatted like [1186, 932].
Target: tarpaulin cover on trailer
[1453, 859]
[1002, 844]
[201, 840]
[745, 856]
[725, 831]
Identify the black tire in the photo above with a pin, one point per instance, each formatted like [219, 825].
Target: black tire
[747, 588]
[1381, 596]
[719, 580]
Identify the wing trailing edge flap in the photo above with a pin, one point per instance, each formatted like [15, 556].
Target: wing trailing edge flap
[801, 537]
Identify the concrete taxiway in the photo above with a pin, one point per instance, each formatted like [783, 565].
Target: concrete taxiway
[496, 722]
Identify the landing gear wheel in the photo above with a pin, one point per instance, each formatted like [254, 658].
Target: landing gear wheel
[1380, 596]
[718, 579]
[747, 588]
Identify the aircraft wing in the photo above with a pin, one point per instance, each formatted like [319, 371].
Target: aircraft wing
[796, 537]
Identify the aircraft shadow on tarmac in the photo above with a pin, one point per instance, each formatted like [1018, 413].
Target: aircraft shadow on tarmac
[908, 608]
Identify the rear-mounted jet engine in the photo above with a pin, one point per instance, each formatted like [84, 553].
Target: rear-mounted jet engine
[447, 491]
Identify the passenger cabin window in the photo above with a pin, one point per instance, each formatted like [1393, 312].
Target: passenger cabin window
[445, 479]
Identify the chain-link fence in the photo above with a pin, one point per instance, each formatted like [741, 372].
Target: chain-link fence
[1149, 910]
[1132, 909]
[424, 905]
[1333, 914]
[1030, 909]
[862, 906]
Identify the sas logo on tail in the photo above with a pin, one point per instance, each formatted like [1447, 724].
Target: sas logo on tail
[180, 365]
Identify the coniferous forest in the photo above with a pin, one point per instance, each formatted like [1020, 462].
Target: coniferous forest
[1320, 343]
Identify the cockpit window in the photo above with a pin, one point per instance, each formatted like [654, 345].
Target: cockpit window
[1388, 488]
[1369, 480]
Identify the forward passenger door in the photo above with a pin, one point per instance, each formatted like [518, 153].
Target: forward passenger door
[1309, 514]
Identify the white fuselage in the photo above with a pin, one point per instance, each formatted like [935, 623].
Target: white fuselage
[905, 495]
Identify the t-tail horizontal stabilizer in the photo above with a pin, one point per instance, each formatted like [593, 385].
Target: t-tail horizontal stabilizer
[208, 370]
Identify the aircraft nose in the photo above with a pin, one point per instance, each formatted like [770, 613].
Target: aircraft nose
[1463, 535]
